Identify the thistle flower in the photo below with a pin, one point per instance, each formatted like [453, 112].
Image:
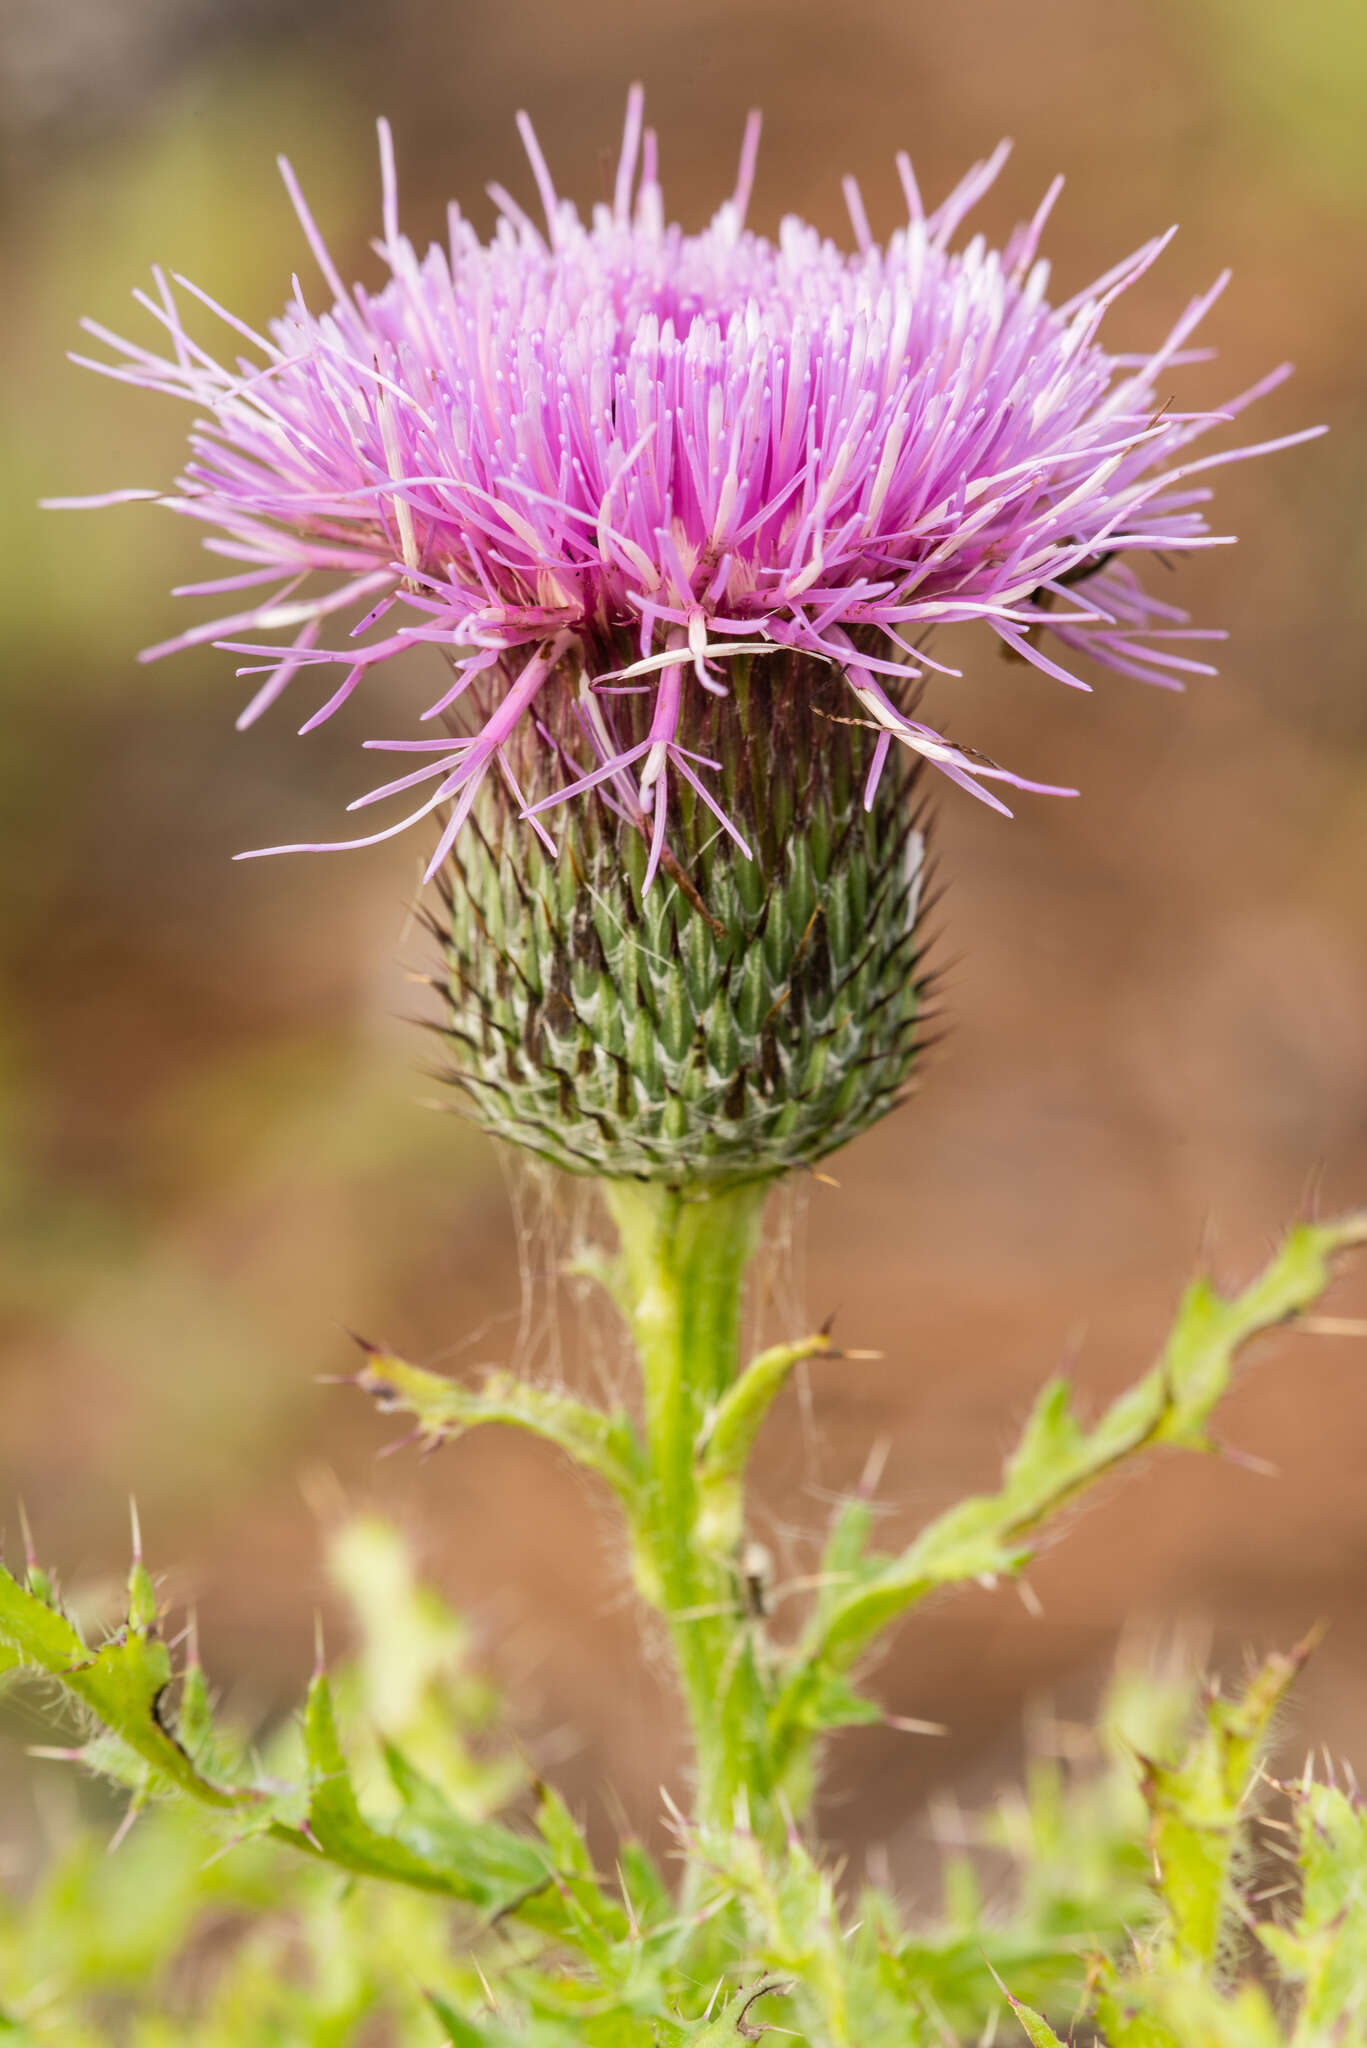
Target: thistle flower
[681, 512]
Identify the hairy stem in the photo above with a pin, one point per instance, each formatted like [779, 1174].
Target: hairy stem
[684, 1259]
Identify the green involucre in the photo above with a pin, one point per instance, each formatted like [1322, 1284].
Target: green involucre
[739, 1017]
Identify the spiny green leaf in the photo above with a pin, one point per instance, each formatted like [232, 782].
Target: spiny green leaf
[1323, 1951]
[1197, 1807]
[1037, 2029]
[1190, 2012]
[1057, 1459]
[950, 1979]
[737, 2022]
[431, 1847]
[442, 1408]
[461, 2032]
[195, 1716]
[834, 1703]
[794, 1923]
[647, 1895]
[124, 1682]
[729, 1436]
[600, 1921]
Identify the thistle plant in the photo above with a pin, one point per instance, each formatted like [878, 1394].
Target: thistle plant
[682, 516]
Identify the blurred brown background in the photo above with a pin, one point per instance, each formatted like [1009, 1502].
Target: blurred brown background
[215, 1149]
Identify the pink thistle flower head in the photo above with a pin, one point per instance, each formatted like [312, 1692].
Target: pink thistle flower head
[682, 513]
[596, 463]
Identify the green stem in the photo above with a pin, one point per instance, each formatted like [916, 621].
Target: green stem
[684, 1259]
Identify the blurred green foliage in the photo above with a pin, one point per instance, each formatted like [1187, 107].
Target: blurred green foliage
[1149, 1832]
[1302, 71]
